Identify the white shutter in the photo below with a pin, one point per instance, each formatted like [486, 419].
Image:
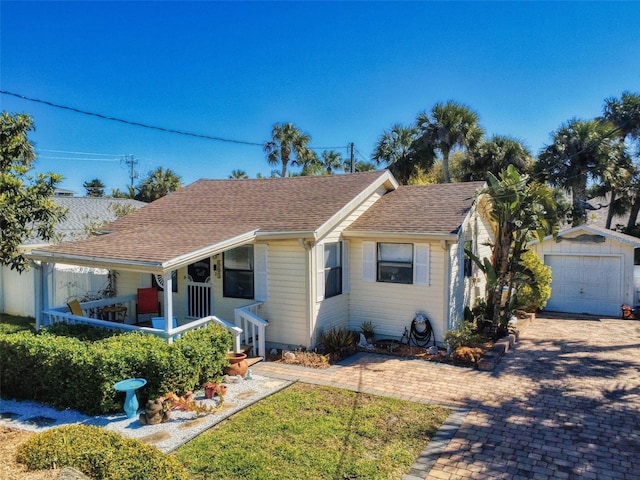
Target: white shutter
[421, 264]
[369, 261]
[345, 266]
[320, 272]
[261, 290]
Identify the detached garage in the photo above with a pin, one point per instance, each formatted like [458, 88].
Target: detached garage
[592, 270]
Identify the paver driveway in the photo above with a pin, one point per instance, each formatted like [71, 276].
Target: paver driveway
[564, 404]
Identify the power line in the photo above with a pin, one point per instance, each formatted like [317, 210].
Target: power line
[48, 157]
[143, 125]
[129, 122]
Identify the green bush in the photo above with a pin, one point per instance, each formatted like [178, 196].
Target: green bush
[98, 453]
[66, 372]
[535, 294]
[338, 340]
[466, 335]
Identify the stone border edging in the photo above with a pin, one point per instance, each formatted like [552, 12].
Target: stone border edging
[434, 449]
[492, 358]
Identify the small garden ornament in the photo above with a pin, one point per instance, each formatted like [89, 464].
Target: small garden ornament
[154, 413]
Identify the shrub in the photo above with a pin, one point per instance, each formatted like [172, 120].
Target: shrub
[98, 453]
[466, 335]
[534, 295]
[66, 372]
[337, 340]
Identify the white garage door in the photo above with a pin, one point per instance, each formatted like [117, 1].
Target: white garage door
[585, 284]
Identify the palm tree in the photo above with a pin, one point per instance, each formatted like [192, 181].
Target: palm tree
[397, 149]
[451, 125]
[238, 174]
[159, 183]
[331, 160]
[624, 113]
[494, 156]
[519, 210]
[581, 152]
[288, 145]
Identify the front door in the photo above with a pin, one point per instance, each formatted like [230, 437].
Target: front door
[199, 289]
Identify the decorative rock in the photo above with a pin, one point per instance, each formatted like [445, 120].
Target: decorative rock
[70, 473]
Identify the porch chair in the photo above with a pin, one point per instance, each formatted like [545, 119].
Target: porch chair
[147, 303]
[75, 308]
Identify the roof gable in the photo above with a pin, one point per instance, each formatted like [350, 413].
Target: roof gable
[595, 230]
[437, 209]
[209, 215]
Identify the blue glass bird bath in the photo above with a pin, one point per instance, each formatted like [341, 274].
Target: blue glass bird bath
[129, 386]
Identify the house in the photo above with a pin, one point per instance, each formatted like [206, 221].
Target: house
[592, 269]
[66, 281]
[288, 258]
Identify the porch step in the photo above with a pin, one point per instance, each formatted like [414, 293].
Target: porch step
[253, 360]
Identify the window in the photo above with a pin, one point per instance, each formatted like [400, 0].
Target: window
[332, 270]
[468, 263]
[395, 263]
[238, 272]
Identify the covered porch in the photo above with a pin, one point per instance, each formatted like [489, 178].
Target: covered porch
[177, 311]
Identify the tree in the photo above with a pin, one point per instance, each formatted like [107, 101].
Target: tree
[26, 205]
[288, 145]
[360, 166]
[331, 160]
[494, 155]
[581, 151]
[130, 193]
[159, 183]
[519, 210]
[94, 188]
[238, 174]
[398, 150]
[450, 125]
[624, 113]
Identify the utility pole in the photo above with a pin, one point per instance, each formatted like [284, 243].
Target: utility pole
[131, 161]
[353, 160]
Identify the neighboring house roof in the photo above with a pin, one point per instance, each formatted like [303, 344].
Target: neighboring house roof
[595, 230]
[209, 216]
[599, 216]
[81, 213]
[431, 210]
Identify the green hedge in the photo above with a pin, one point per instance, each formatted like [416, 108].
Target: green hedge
[99, 454]
[67, 372]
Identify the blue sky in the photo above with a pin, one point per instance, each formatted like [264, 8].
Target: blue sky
[341, 71]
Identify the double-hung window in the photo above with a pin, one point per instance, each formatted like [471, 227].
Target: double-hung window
[332, 269]
[238, 279]
[395, 262]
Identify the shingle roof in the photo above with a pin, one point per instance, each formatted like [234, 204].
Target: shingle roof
[82, 211]
[210, 212]
[424, 209]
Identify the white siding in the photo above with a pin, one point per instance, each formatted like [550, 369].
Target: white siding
[65, 283]
[610, 247]
[392, 307]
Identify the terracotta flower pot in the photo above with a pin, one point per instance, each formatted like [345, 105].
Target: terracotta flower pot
[222, 390]
[210, 390]
[238, 364]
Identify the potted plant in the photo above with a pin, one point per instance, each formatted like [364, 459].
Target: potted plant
[210, 389]
[368, 330]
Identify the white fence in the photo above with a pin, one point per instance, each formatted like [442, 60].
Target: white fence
[66, 283]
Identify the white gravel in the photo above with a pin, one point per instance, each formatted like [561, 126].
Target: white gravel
[182, 426]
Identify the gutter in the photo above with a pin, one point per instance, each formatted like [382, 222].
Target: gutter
[383, 234]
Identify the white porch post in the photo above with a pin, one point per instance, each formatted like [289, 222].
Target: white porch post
[168, 301]
[46, 272]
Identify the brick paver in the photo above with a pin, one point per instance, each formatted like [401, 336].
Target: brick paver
[564, 404]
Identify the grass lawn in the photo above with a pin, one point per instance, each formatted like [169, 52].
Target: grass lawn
[307, 431]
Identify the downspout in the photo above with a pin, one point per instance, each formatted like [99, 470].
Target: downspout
[447, 283]
[168, 302]
[37, 293]
[311, 281]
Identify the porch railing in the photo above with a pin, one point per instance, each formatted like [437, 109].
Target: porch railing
[253, 328]
[63, 314]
